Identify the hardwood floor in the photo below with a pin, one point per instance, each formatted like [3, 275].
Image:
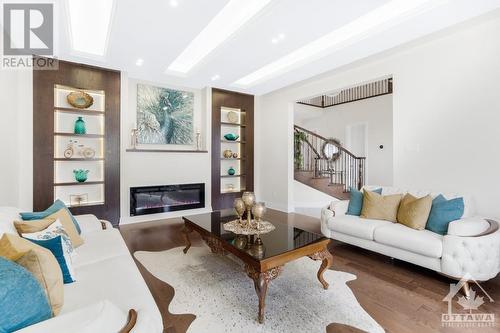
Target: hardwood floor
[400, 296]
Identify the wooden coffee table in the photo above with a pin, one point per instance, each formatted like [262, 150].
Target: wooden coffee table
[263, 259]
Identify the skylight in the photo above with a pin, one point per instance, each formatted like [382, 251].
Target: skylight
[90, 21]
[374, 21]
[232, 17]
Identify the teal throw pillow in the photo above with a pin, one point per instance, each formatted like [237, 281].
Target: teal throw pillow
[56, 206]
[56, 245]
[23, 301]
[443, 212]
[356, 201]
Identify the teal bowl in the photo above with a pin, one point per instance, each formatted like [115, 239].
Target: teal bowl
[231, 137]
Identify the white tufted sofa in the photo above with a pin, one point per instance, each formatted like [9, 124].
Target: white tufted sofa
[470, 248]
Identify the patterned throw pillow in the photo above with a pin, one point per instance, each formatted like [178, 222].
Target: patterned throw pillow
[53, 230]
[56, 246]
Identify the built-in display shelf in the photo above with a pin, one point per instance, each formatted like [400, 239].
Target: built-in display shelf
[232, 159]
[228, 141]
[75, 110]
[234, 191]
[78, 183]
[80, 135]
[232, 124]
[77, 159]
[233, 176]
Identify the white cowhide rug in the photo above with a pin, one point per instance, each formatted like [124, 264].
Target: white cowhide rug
[217, 290]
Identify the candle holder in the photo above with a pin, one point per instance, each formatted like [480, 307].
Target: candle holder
[249, 200]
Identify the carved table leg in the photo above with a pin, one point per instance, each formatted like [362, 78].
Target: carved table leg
[327, 260]
[214, 244]
[185, 232]
[261, 281]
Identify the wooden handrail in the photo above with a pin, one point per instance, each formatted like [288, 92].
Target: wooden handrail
[311, 146]
[325, 139]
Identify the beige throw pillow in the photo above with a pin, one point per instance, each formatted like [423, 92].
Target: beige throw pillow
[413, 212]
[380, 207]
[67, 223]
[28, 227]
[40, 262]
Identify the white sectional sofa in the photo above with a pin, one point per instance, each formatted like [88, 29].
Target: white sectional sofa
[470, 249]
[108, 283]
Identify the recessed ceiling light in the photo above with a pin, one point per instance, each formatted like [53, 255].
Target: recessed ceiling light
[90, 35]
[139, 62]
[174, 3]
[215, 77]
[232, 17]
[377, 20]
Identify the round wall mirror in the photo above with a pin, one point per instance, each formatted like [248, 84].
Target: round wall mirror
[331, 149]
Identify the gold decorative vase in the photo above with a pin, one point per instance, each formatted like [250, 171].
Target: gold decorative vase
[258, 211]
[249, 200]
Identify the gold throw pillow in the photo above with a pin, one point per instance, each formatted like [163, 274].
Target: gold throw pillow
[380, 207]
[63, 216]
[414, 212]
[40, 262]
[28, 227]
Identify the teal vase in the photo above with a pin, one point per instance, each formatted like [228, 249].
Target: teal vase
[80, 126]
[231, 171]
[80, 175]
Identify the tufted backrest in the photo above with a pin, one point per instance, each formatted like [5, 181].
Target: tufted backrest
[468, 202]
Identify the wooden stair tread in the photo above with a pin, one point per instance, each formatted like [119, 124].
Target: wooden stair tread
[322, 185]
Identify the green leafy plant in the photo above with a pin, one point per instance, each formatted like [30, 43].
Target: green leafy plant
[299, 138]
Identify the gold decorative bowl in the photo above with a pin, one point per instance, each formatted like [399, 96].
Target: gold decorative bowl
[80, 99]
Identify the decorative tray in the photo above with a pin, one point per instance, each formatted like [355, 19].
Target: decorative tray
[236, 227]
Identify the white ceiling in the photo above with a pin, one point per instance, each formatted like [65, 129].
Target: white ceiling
[157, 32]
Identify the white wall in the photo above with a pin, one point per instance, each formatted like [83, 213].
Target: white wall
[376, 113]
[446, 113]
[16, 138]
[143, 169]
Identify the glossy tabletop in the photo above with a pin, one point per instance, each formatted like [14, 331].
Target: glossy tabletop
[283, 239]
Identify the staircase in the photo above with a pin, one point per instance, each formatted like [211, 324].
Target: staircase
[325, 166]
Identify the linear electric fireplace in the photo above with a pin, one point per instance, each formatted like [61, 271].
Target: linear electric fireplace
[166, 198]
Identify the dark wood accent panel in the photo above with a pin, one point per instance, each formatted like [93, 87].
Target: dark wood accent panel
[245, 102]
[84, 77]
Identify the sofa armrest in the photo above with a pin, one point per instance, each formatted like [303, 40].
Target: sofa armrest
[339, 207]
[473, 226]
[89, 223]
[477, 256]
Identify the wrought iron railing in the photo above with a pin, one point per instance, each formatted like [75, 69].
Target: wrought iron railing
[347, 169]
